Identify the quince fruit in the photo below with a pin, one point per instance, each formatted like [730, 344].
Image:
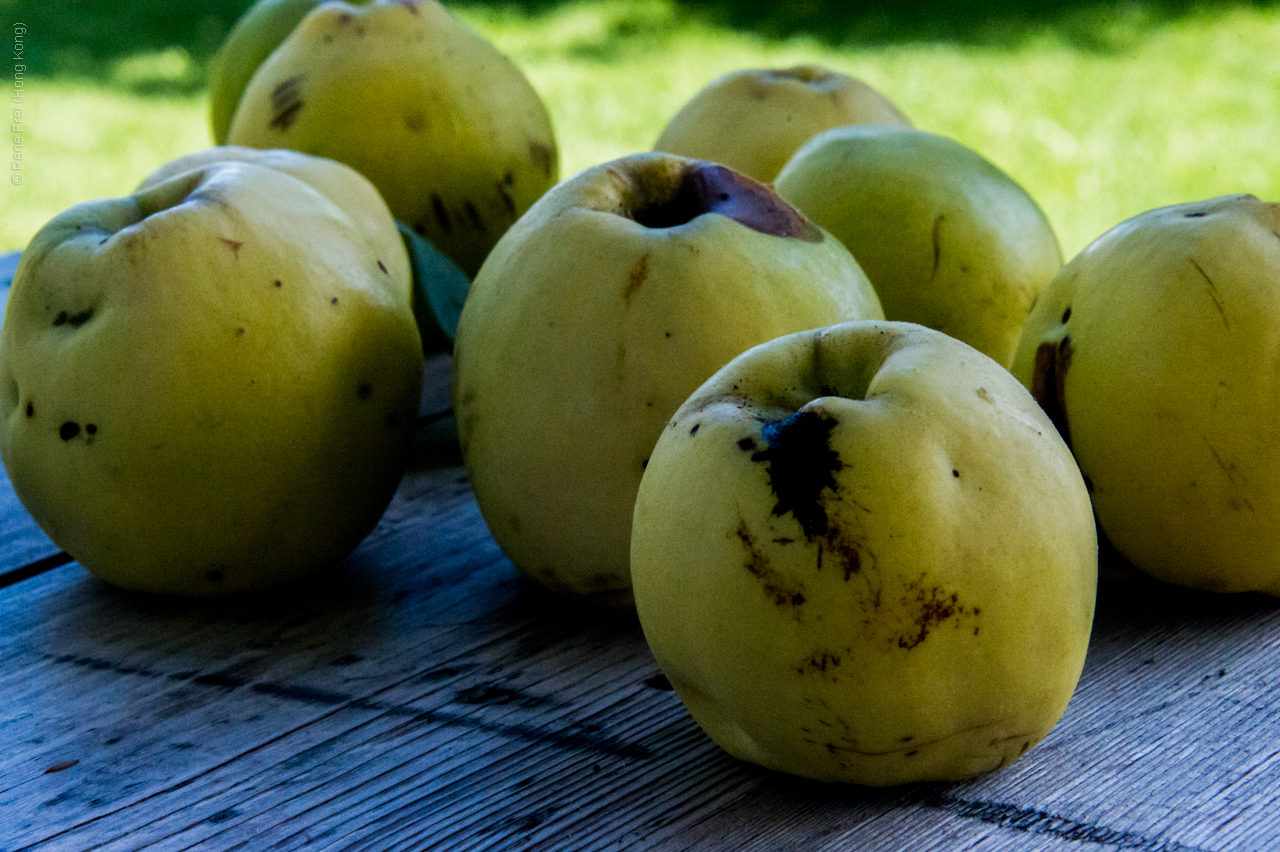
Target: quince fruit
[864, 554]
[608, 303]
[211, 386]
[445, 126]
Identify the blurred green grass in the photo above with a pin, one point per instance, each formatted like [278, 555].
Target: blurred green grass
[1100, 110]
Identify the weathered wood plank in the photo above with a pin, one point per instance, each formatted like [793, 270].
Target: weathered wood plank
[424, 695]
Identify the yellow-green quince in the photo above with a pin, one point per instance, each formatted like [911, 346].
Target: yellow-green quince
[947, 238]
[755, 119]
[445, 126]
[608, 303]
[210, 386]
[255, 35]
[864, 554]
[1154, 352]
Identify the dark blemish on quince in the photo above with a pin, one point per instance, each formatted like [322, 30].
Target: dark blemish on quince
[801, 464]
[747, 444]
[234, 245]
[278, 283]
[74, 320]
[782, 590]
[819, 662]
[692, 431]
[441, 213]
[932, 607]
[636, 277]
[543, 156]
[334, 300]
[474, 215]
[1048, 382]
[504, 192]
[31, 410]
[383, 268]
[68, 430]
[1066, 315]
[286, 100]
[937, 245]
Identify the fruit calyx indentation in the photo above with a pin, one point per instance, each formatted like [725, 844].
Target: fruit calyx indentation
[801, 464]
[704, 187]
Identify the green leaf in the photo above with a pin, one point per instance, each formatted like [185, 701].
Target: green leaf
[439, 290]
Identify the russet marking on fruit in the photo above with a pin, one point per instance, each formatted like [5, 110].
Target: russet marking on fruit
[636, 277]
[937, 243]
[1213, 292]
[784, 591]
[74, 320]
[286, 100]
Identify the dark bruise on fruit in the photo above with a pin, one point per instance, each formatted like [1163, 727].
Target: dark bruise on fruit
[1049, 382]
[286, 100]
[801, 465]
[937, 244]
[74, 320]
[543, 156]
[782, 590]
[473, 216]
[702, 188]
[505, 192]
[441, 213]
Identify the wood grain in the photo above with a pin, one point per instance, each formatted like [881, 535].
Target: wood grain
[424, 695]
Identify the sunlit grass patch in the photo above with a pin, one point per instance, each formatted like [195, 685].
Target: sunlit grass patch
[1106, 112]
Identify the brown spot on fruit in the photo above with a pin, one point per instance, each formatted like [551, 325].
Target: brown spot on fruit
[234, 245]
[286, 100]
[543, 156]
[1066, 315]
[68, 430]
[473, 216]
[31, 410]
[801, 465]
[937, 244]
[504, 188]
[383, 268]
[74, 320]
[1049, 382]
[782, 590]
[930, 606]
[441, 213]
[819, 662]
[278, 283]
[636, 277]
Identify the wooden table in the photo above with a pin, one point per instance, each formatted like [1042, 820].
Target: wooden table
[425, 696]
